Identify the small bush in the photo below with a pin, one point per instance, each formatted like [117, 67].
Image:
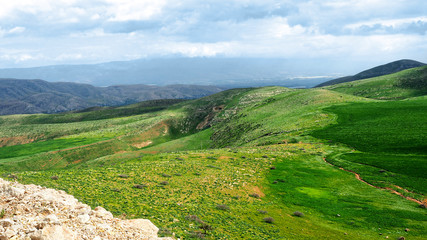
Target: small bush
[268, 220]
[298, 214]
[139, 186]
[2, 213]
[205, 227]
[54, 177]
[222, 207]
[197, 174]
[193, 218]
[212, 166]
[123, 176]
[164, 232]
[236, 197]
[12, 176]
[254, 195]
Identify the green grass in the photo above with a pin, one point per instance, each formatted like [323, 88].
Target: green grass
[45, 146]
[221, 149]
[201, 180]
[396, 126]
[400, 85]
[391, 139]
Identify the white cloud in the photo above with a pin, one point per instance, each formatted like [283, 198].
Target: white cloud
[16, 30]
[61, 31]
[130, 10]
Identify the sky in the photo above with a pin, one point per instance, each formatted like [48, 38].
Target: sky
[46, 32]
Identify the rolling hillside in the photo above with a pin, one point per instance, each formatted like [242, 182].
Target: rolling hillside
[38, 96]
[255, 163]
[385, 69]
[404, 84]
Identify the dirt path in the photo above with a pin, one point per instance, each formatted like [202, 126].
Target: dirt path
[389, 189]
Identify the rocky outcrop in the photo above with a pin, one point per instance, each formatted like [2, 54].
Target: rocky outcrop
[36, 213]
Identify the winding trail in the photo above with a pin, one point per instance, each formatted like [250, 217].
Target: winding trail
[382, 188]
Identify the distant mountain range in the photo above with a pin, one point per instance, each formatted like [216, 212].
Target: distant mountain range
[227, 72]
[385, 69]
[38, 96]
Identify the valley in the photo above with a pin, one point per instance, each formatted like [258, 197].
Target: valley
[249, 163]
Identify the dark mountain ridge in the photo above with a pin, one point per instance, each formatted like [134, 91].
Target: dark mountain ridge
[381, 70]
[18, 96]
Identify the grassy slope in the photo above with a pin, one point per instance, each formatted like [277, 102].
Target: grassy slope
[390, 139]
[268, 123]
[404, 84]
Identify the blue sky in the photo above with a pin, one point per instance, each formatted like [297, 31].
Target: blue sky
[45, 32]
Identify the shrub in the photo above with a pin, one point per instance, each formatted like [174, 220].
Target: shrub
[298, 214]
[194, 218]
[268, 220]
[163, 232]
[222, 207]
[254, 195]
[2, 213]
[212, 166]
[13, 176]
[54, 177]
[197, 174]
[205, 227]
[123, 176]
[139, 186]
[236, 197]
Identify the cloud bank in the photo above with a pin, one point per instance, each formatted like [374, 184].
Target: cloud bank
[77, 31]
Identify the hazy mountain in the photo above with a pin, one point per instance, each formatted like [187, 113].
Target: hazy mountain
[385, 69]
[38, 96]
[228, 72]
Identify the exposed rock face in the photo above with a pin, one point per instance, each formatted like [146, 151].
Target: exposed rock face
[36, 213]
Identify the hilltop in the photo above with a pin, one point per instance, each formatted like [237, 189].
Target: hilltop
[385, 69]
[20, 96]
[404, 84]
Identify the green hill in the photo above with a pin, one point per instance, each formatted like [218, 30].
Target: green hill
[241, 164]
[382, 70]
[404, 84]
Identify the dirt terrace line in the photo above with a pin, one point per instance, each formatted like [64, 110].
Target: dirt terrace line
[382, 188]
